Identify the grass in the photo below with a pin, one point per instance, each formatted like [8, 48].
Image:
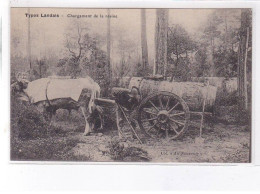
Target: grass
[44, 149]
[34, 139]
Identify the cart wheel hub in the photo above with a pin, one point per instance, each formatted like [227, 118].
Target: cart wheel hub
[163, 116]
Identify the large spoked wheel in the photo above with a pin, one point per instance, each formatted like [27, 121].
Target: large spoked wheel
[163, 115]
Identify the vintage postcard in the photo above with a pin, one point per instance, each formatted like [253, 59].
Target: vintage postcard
[131, 85]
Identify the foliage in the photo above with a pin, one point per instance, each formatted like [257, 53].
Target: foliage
[216, 53]
[27, 121]
[225, 99]
[244, 117]
[45, 149]
[128, 59]
[41, 68]
[122, 69]
[83, 55]
[233, 114]
[211, 31]
[31, 124]
[119, 152]
[141, 71]
[33, 138]
[69, 67]
[180, 46]
[226, 62]
[179, 43]
[201, 66]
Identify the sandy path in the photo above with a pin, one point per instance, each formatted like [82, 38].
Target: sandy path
[221, 144]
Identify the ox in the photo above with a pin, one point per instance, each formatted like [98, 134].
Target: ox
[51, 94]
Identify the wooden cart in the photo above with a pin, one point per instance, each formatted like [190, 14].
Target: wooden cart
[162, 108]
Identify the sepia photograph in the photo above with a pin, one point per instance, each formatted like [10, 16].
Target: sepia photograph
[131, 85]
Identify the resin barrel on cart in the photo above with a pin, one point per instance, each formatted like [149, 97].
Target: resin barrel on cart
[193, 93]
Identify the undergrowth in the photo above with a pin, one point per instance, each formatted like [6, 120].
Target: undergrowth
[119, 152]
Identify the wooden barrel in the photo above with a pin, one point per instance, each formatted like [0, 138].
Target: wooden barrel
[193, 93]
[223, 84]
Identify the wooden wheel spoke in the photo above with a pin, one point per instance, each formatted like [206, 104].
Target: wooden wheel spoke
[158, 132]
[152, 126]
[177, 114]
[174, 130]
[167, 103]
[163, 115]
[180, 117]
[151, 119]
[149, 112]
[166, 133]
[178, 122]
[173, 107]
[160, 102]
[154, 105]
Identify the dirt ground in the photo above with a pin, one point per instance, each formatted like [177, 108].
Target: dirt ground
[220, 143]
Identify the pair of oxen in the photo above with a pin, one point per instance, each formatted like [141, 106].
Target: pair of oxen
[51, 94]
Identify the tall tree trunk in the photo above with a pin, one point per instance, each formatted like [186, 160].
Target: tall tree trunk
[29, 45]
[242, 63]
[245, 70]
[161, 33]
[109, 45]
[40, 69]
[109, 48]
[226, 30]
[239, 69]
[212, 70]
[144, 41]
